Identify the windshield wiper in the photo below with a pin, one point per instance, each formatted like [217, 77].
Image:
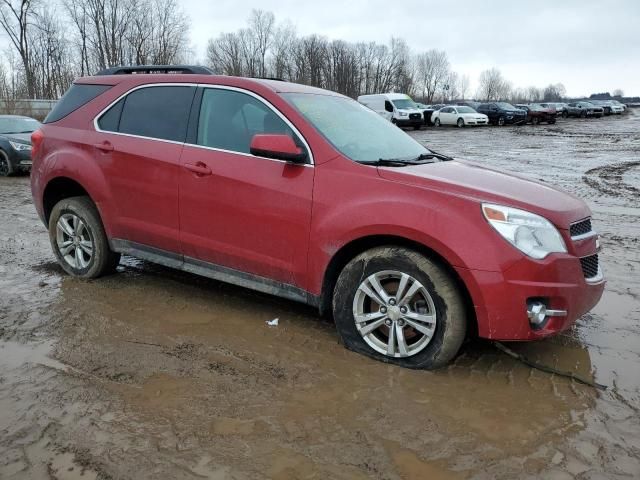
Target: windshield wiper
[391, 162]
[432, 154]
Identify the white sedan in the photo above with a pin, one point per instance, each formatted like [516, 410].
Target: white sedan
[458, 115]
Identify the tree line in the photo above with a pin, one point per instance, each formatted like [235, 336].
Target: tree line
[52, 43]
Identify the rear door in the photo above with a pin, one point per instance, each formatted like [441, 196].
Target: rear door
[138, 144]
[239, 211]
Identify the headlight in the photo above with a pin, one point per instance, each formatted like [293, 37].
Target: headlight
[532, 234]
[20, 147]
[404, 114]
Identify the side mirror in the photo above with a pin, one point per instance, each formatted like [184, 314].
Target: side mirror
[278, 147]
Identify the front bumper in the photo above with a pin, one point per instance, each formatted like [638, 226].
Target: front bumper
[20, 160]
[409, 122]
[514, 120]
[500, 298]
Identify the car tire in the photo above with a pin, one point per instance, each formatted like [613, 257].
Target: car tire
[583, 114]
[78, 239]
[460, 123]
[437, 122]
[565, 114]
[535, 120]
[6, 169]
[416, 127]
[436, 296]
[501, 121]
[551, 122]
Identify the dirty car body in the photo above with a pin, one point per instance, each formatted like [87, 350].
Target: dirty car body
[299, 201]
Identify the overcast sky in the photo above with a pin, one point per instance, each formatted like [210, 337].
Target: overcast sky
[589, 45]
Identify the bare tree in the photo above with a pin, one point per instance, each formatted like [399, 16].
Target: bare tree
[463, 85]
[554, 93]
[16, 19]
[261, 27]
[618, 92]
[493, 86]
[432, 71]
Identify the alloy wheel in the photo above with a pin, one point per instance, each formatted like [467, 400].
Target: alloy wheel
[74, 241]
[394, 313]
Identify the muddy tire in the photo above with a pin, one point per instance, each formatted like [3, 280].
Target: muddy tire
[78, 239]
[6, 169]
[501, 122]
[460, 123]
[437, 122]
[428, 315]
[535, 120]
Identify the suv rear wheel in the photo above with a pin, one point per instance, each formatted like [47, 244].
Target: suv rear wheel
[501, 121]
[395, 305]
[78, 239]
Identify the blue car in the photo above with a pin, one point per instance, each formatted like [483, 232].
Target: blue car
[15, 143]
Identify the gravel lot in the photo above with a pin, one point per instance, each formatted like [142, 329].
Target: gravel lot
[153, 373]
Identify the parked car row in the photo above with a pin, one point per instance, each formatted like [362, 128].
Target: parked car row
[401, 110]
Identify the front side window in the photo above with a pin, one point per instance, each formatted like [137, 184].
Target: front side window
[466, 110]
[160, 112]
[229, 120]
[355, 131]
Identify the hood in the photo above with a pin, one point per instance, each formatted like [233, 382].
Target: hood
[486, 185]
[18, 137]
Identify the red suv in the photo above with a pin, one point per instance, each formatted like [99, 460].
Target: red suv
[306, 194]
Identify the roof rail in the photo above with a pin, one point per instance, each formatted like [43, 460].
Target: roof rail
[137, 69]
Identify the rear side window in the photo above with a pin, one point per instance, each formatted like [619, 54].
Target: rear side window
[77, 96]
[155, 112]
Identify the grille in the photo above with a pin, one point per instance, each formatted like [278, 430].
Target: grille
[414, 116]
[589, 266]
[580, 228]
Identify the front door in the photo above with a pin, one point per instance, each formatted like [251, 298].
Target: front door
[237, 210]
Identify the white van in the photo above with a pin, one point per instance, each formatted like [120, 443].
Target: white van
[398, 108]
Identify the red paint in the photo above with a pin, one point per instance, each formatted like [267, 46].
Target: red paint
[286, 221]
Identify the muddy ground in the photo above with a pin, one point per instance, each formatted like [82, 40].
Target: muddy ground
[153, 373]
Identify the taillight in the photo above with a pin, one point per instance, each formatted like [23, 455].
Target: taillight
[36, 140]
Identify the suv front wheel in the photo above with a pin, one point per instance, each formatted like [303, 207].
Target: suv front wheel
[395, 305]
[78, 239]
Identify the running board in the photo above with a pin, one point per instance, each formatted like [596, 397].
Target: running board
[213, 271]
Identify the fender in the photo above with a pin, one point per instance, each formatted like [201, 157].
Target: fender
[75, 163]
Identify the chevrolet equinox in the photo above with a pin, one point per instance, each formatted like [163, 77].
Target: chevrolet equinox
[306, 194]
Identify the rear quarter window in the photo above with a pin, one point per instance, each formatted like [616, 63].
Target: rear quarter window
[77, 96]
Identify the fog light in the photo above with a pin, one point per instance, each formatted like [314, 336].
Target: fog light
[538, 313]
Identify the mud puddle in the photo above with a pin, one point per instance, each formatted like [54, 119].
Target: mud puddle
[153, 373]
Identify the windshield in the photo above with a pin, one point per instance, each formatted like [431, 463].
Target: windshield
[466, 110]
[404, 103]
[354, 130]
[506, 106]
[18, 125]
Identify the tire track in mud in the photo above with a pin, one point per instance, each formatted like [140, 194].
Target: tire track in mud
[609, 180]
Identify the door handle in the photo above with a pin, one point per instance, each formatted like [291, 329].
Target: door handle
[104, 146]
[199, 168]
